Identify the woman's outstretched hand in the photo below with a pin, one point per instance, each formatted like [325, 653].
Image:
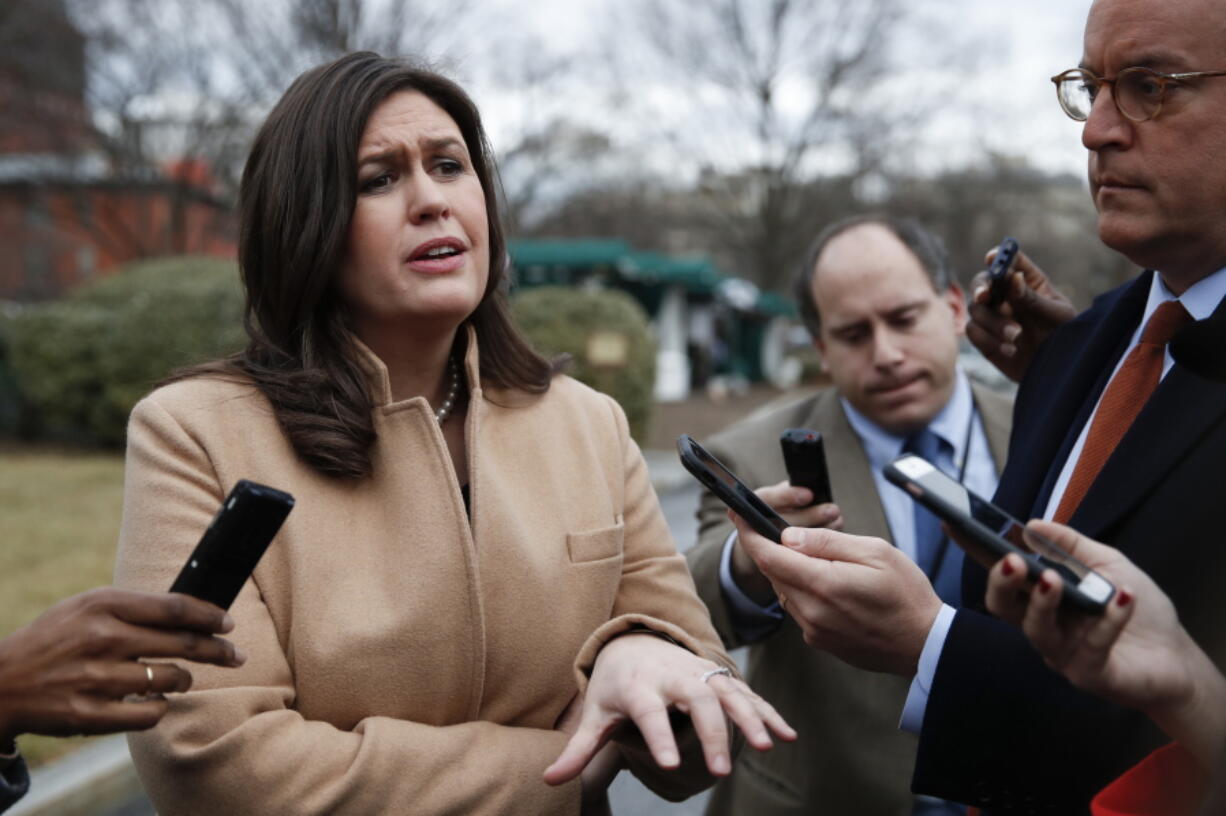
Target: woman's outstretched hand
[638, 679]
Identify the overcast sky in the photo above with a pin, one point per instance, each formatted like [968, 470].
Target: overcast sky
[1013, 107]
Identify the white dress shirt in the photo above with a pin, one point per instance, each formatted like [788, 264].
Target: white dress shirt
[1200, 300]
[752, 621]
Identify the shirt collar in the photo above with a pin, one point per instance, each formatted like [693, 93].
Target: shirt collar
[1200, 299]
[882, 447]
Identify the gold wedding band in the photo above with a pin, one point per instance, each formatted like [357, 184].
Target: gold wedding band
[783, 602]
[709, 673]
[149, 677]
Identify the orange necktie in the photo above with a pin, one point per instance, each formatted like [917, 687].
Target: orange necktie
[1124, 398]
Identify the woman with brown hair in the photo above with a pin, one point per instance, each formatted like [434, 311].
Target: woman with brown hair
[476, 587]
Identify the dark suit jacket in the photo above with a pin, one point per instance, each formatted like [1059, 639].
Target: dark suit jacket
[14, 782]
[850, 756]
[1003, 731]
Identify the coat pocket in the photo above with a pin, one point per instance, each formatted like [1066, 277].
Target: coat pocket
[594, 545]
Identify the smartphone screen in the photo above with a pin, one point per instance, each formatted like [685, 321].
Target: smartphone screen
[954, 503]
[730, 490]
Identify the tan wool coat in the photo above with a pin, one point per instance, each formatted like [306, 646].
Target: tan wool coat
[400, 660]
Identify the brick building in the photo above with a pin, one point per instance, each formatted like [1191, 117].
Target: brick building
[66, 215]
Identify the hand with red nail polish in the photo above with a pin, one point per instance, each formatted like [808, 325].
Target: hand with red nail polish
[1136, 653]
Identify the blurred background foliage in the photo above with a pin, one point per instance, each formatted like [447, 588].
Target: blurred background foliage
[607, 337]
[82, 362]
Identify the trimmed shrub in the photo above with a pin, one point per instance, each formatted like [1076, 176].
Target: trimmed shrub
[14, 415]
[607, 335]
[81, 363]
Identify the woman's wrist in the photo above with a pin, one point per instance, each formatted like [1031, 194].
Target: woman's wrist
[1197, 720]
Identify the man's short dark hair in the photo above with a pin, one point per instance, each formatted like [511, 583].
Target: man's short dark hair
[926, 247]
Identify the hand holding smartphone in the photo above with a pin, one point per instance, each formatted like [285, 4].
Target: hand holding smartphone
[730, 490]
[233, 543]
[804, 456]
[988, 533]
[998, 272]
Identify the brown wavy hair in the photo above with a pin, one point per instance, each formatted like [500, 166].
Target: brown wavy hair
[297, 198]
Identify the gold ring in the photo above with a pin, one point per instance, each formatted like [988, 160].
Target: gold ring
[149, 677]
[783, 602]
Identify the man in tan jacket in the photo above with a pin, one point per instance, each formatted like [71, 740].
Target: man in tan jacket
[885, 314]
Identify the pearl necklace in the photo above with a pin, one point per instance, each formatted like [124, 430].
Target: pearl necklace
[453, 391]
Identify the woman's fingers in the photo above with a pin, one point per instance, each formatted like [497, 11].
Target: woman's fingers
[588, 738]
[650, 714]
[1040, 622]
[1008, 592]
[766, 712]
[707, 715]
[741, 710]
[1103, 633]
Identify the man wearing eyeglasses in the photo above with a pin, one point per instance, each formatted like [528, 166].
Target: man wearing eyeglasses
[1109, 435]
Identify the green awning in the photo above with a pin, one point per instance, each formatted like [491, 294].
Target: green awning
[580, 253]
[775, 304]
[552, 261]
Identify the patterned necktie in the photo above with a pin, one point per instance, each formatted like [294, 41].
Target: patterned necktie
[946, 576]
[1124, 398]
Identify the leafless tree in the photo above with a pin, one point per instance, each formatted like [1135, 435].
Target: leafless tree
[168, 92]
[1052, 217]
[767, 96]
[191, 78]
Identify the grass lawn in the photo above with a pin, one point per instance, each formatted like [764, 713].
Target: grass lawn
[59, 513]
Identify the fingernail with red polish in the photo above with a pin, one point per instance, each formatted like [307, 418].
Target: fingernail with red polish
[1044, 585]
[1006, 567]
[1123, 598]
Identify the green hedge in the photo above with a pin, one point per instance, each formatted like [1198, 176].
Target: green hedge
[81, 363]
[13, 412]
[583, 324]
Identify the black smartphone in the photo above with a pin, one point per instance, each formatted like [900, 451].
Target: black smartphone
[998, 272]
[988, 533]
[804, 456]
[234, 542]
[730, 490]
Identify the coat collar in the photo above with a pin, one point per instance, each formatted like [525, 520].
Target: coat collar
[380, 384]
